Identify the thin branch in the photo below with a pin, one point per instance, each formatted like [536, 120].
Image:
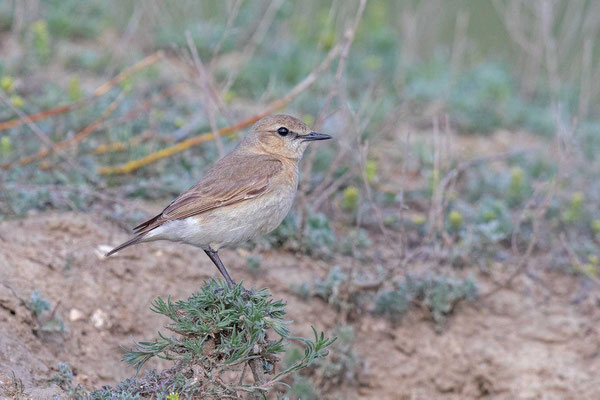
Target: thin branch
[151, 59]
[205, 137]
[575, 259]
[255, 40]
[82, 134]
[122, 146]
[526, 257]
[210, 95]
[44, 138]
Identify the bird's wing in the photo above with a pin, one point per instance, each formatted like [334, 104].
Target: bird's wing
[231, 180]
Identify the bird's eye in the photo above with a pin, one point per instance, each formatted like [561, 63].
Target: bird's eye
[283, 131]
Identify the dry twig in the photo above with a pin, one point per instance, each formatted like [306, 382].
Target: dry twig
[151, 59]
[82, 134]
[526, 257]
[202, 138]
[44, 138]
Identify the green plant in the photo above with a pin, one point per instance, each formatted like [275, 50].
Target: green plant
[217, 330]
[64, 380]
[6, 83]
[350, 199]
[16, 390]
[253, 264]
[74, 89]
[438, 294]
[480, 101]
[332, 289]
[5, 145]
[41, 40]
[173, 396]
[45, 318]
[494, 222]
[317, 236]
[37, 304]
[342, 367]
[596, 225]
[371, 171]
[354, 241]
[17, 101]
[455, 219]
[303, 389]
[517, 186]
[574, 210]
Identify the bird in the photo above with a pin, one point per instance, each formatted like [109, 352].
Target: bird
[245, 194]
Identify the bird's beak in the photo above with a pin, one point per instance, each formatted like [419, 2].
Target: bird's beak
[314, 136]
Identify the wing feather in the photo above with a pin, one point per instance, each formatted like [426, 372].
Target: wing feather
[231, 180]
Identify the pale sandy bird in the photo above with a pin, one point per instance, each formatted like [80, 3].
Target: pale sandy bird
[245, 194]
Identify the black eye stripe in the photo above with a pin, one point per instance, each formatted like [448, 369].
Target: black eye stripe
[283, 131]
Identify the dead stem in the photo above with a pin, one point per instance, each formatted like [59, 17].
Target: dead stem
[104, 88]
[205, 137]
[82, 134]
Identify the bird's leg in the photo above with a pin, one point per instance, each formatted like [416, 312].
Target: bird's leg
[214, 256]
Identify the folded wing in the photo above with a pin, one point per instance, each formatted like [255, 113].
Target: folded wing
[230, 181]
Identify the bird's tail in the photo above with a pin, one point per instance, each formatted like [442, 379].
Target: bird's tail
[133, 240]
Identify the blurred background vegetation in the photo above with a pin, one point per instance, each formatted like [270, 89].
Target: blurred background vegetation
[467, 131]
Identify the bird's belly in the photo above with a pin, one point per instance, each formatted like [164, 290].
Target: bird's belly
[229, 225]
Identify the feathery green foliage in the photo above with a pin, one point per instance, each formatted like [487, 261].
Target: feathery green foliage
[216, 331]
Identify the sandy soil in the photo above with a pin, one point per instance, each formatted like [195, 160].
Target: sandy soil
[530, 342]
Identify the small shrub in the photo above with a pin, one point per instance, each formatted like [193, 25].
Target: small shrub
[7, 84]
[371, 171]
[494, 222]
[438, 294]
[303, 389]
[253, 264]
[342, 367]
[74, 89]
[5, 145]
[350, 199]
[17, 101]
[517, 186]
[216, 331]
[455, 220]
[17, 389]
[317, 236]
[343, 364]
[354, 241]
[46, 322]
[393, 304]
[37, 304]
[329, 288]
[41, 41]
[64, 380]
[574, 211]
[173, 396]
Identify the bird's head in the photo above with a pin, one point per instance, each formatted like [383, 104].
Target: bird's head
[282, 135]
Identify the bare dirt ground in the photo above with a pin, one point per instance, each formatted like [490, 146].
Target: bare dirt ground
[532, 341]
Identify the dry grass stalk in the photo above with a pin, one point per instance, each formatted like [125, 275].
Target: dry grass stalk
[208, 136]
[44, 138]
[103, 89]
[82, 134]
